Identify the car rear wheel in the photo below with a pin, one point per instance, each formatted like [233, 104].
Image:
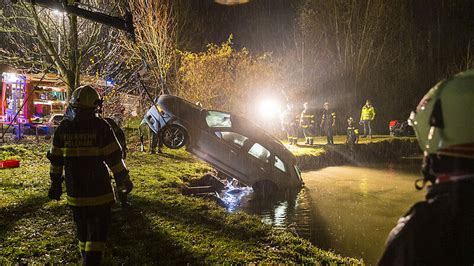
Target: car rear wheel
[174, 136]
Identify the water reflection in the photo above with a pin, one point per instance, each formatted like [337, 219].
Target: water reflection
[346, 209]
[277, 210]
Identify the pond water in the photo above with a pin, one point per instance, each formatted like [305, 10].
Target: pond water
[346, 209]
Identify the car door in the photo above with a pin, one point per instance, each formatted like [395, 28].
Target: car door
[223, 149]
[280, 171]
[258, 162]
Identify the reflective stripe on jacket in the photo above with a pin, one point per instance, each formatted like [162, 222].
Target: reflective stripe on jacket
[327, 118]
[307, 119]
[367, 113]
[83, 148]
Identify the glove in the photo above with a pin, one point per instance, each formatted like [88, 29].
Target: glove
[55, 190]
[125, 185]
[128, 186]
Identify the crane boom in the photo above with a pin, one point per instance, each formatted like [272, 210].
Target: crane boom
[122, 23]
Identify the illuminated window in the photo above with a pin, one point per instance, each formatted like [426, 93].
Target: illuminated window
[258, 151]
[233, 138]
[280, 164]
[218, 119]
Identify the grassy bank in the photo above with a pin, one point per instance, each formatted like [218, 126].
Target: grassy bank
[381, 148]
[162, 226]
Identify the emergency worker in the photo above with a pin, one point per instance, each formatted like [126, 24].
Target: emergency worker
[307, 123]
[367, 115]
[289, 123]
[83, 145]
[352, 132]
[439, 230]
[328, 122]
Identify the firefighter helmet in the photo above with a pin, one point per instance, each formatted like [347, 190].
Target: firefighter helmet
[444, 119]
[85, 97]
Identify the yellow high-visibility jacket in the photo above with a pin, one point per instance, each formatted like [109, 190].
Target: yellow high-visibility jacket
[367, 113]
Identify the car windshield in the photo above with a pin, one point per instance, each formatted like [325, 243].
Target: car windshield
[218, 119]
[260, 152]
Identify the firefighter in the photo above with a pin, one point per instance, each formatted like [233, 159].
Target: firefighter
[289, 124]
[307, 123]
[352, 132]
[367, 115]
[439, 230]
[83, 145]
[328, 122]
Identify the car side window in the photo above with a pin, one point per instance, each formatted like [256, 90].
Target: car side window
[218, 119]
[280, 164]
[233, 138]
[260, 152]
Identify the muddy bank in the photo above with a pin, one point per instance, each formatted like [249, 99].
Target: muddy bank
[384, 151]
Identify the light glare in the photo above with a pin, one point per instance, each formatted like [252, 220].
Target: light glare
[269, 109]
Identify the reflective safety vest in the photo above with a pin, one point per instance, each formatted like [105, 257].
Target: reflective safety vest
[307, 119]
[82, 148]
[367, 113]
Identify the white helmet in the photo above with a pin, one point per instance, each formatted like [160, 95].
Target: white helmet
[85, 97]
[444, 119]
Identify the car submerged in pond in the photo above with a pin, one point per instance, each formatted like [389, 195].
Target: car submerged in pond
[232, 144]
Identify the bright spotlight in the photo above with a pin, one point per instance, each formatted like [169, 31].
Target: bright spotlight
[269, 109]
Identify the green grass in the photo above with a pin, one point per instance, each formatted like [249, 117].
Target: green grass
[162, 226]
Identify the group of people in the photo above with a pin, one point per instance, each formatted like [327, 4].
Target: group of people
[436, 231]
[292, 121]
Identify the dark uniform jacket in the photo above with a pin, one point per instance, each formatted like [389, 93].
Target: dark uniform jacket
[327, 118]
[438, 231]
[307, 118]
[119, 134]
[83, 146]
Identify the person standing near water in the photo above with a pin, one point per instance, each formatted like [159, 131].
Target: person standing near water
[439, 230]
[328, 122]
[367, 115]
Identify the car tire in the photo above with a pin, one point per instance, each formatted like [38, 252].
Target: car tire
[265, 188]
[174, 136]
